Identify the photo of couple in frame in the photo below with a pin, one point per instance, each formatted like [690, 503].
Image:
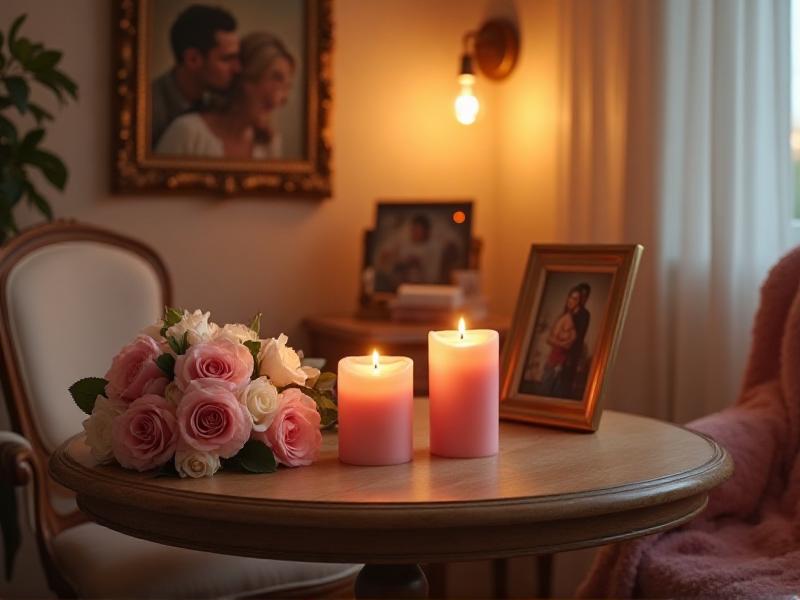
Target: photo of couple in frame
[230, 96]
[565, 333]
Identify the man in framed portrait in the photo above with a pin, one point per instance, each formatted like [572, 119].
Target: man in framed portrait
[205, 46]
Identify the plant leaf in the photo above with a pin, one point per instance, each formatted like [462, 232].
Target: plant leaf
[66, 83]
[166, 362]
[168, 469]
[255, 347]
[39, 113]
[85, 392]
[44, 60]
[12, 184]
[46, 79]
[8, 130]
[256, 457]
[255, 324]
[50, 166]
[30, 141]
[12, 33]
[39, 202]
[18, 91]
[172, 316]
[326, 381]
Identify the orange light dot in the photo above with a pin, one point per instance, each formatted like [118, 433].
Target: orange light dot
[459, 217]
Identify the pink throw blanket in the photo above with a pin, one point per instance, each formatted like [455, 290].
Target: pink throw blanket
[746, 544]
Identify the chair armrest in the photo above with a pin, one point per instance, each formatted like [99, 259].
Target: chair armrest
[16, 456]
[755, 435]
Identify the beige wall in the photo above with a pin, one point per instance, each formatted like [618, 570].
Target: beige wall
[395, 63]
[394, 137]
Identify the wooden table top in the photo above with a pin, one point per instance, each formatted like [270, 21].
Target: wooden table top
[546, 490]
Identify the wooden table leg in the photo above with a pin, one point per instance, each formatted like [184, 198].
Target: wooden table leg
[391, 581]
[544, 563]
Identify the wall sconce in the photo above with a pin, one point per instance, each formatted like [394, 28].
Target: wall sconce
[494, 47]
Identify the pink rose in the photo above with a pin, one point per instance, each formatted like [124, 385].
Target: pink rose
[294, 434]
[145, 436]
[211, 419]
[134, 372]
[221, 359]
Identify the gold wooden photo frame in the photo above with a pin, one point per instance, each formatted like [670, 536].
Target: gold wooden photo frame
[565, 333]
[299, 32]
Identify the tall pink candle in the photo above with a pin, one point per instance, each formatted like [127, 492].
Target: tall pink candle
[376, 405]
[464, 389]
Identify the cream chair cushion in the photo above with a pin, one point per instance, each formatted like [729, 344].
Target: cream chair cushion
[72, 306]
[101, 563]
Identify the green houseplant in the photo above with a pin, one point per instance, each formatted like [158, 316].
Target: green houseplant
[23, 65]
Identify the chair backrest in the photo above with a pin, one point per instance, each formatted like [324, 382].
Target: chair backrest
[71, 295]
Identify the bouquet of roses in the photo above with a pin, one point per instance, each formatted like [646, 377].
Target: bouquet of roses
[188, 396]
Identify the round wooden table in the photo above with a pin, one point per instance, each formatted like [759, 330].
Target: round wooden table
[547, 490]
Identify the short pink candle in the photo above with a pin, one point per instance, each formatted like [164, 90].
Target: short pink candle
[376, 406]
[464, 389]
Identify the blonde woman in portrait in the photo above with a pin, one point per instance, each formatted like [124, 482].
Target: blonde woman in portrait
[241, 127]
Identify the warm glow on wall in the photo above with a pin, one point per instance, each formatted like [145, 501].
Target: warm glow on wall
[494, 47]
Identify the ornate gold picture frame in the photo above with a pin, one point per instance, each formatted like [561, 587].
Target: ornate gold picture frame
[300, 166]
[565, 333]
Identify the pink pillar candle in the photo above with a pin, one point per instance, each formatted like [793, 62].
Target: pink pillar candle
[376, 405]
[464, 389]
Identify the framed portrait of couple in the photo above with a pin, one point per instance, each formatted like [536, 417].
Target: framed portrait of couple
[565, 333]
[226, 96]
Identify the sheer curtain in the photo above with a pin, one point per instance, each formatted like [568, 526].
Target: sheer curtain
[675, 135]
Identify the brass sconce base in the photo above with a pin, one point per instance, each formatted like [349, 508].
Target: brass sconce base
[496, 48]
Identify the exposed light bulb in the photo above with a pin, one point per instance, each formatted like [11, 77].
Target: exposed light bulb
[466, 104]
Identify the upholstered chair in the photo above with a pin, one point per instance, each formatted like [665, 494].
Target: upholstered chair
[70, 296]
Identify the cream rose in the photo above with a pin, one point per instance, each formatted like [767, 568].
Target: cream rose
[98, 428]
[236, 333]
[261, 399]
[194, 463]
[312, 374]
[196, 325]
[280, 363]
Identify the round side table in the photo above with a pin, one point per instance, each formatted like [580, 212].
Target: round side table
[546, 491]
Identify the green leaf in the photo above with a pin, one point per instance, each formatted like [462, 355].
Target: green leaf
[39, 113]
[166, 362]
[12, 33]
[46, 78]
[255, 347]
[44, 60]
[85, 392]
[39, 202]
[326, 381]
[255, 324]
[256, 457]
[30, 141]
[19, 91]
[168, 469]
[179, 346]
[8, 130]
[172, 316]
[22, 50]
[12, 184]
[326, 404]
[50, 166]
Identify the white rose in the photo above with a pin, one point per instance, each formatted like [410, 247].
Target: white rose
[196, 325]
[237, 333]
[193, 463]
[98, 428]
[261, 399]
[280, 363]
[173, 393]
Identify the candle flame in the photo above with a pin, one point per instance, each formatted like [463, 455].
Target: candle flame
[375, 357]
[462, 326]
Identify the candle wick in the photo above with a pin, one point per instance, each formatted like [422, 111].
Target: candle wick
[462, 335]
